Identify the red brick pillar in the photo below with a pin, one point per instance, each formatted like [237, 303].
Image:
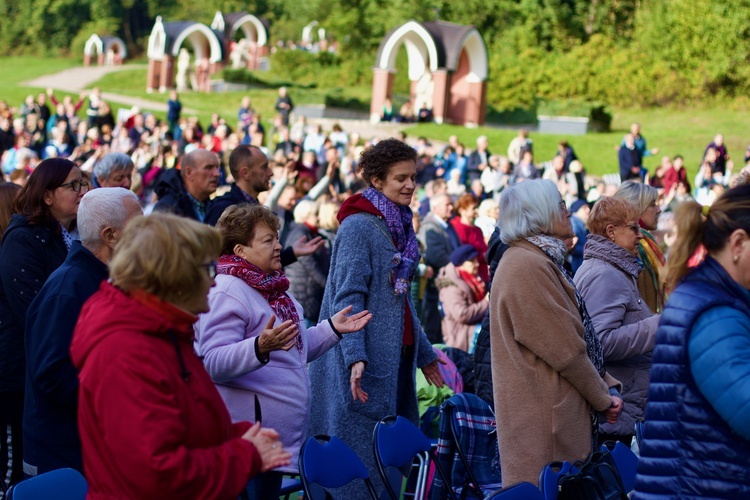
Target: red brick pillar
[382, 88]
[153, 75]
[100, 59]
[441, 81]
[87, 59]
[166, 75]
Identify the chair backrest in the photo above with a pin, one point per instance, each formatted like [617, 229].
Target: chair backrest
[330, 464]
[520, 491]
[396, 441]
[473, 423]
[626, 461]
[639, 432]
[549, 477]
[61, 484]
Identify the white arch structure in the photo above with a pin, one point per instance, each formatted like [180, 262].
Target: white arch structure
[93, 44]
[198, 34]
[420, 49]
[253, 29]
[157, 41]
[477, 53]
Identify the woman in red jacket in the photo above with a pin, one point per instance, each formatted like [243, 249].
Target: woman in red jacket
[152, 423]
[468, 233]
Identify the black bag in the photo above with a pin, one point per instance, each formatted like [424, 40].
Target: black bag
[597, 479]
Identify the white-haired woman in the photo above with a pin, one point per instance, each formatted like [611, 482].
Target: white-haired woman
[488, 212]
[550, 384]
[114, 170]
[645, 198]
[307, 276]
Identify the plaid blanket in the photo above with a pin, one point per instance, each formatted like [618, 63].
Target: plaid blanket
[476, 430]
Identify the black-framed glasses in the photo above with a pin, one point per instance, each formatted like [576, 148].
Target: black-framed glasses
[210, 269]
[636, 228]
[563, 206]
[76, 185]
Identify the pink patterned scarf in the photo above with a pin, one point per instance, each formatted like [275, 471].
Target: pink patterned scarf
[272, 287]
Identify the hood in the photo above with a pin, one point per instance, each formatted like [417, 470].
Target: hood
[16, 221]
[354, 205]
[448, 276]
[599, 247]
[170, 181]
[110, 311]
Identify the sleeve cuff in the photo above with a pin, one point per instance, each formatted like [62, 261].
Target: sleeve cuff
[338, 334]
[263, 359]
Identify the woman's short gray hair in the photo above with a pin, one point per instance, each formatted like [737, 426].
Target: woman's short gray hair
[527, 209]
[639, 194]
[304, 209]
[110, 163]
[100, 208]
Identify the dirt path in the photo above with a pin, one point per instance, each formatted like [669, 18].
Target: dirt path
[77, 79]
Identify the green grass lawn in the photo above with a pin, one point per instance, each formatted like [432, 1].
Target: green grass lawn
[14, 70]
[673, 131]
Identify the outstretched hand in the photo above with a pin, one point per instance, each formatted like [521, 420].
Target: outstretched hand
[432, 373]
[303, 247]
[347, 324]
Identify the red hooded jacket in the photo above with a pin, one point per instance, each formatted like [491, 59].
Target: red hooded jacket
[152, 424]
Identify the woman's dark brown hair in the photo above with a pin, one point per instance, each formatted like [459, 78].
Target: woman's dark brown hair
[237, 224]
[731, 211]
[8, 194]
[48, 175]
[377, 160]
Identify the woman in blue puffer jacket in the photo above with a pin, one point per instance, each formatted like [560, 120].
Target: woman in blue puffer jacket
[697, 433]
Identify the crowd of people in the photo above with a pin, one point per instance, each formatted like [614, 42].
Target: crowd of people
[180, 306]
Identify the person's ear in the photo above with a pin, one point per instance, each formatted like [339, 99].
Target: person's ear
[239, 251]
[610, 232]
[376, 183]
[48, 198]
[109, 236]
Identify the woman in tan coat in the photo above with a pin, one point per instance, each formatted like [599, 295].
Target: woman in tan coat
[548, 373]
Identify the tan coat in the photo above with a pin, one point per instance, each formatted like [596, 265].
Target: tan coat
[544, 382]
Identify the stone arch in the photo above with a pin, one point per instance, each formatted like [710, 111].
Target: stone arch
[253, 28]
[110, 50]
[443, 57]
[252, 50]
[205, 42]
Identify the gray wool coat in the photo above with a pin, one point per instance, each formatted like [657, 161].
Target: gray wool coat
[607, 280]
[360, 276]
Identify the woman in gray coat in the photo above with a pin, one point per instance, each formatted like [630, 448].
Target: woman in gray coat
[371, 373]
[608, 279]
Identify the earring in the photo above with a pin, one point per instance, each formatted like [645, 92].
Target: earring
[736, 259]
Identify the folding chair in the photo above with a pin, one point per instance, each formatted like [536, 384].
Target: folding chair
[468, 431]
[60, 484]
[290, 484]
[520, 491]
[626, 461]
[330, 464]
[396, 443]
[549, 477]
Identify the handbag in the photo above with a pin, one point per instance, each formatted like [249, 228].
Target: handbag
[596, 479]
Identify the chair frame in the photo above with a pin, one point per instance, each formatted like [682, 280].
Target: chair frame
[429, 452]
[303, 476]
[471, 484]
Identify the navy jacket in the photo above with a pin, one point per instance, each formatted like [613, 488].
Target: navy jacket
[689, 450]
[28, 256]
[307, 277]
[173, 197]
[50, 430]
[628, 158]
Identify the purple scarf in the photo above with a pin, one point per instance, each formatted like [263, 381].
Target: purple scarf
[272, 287]
[399, 220]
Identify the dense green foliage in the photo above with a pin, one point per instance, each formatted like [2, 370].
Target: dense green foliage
[620, 52]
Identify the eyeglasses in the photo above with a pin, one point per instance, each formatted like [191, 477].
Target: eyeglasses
[633, 227]
[210, 269]
[76, 185]
[563, 206]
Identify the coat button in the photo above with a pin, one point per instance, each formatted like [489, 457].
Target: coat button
[23, 270]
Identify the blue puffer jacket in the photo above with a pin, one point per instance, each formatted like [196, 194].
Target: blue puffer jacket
[689, 449]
